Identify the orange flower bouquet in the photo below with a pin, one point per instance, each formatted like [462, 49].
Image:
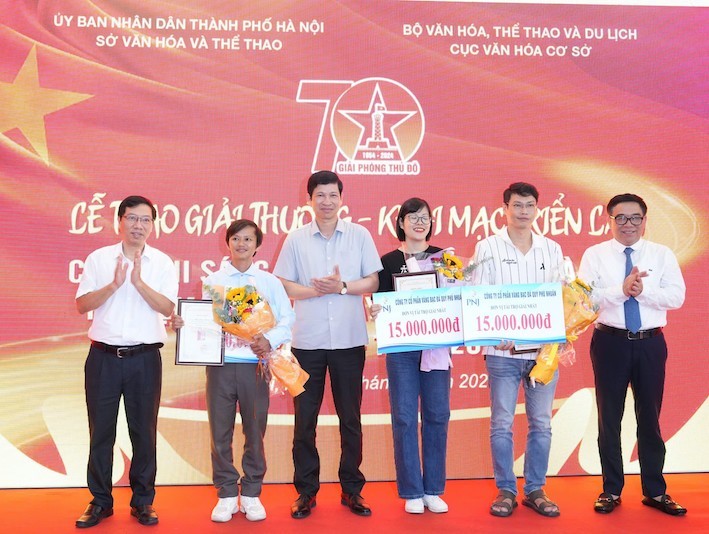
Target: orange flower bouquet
[579, 313]
[241, 311]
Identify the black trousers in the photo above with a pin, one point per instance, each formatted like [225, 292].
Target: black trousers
[138, 379]
[617, 363]
[346, 367]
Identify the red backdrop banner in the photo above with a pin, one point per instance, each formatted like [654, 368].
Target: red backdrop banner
[221, 110]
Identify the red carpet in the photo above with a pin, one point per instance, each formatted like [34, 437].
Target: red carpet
[187, 509]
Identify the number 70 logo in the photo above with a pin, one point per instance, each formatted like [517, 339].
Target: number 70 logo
[371, 121]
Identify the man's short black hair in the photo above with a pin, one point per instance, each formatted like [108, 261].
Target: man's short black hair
[522, 189]
[239, 224]
[323, 178]
[133, 201]
[625, 197]
[411, 205]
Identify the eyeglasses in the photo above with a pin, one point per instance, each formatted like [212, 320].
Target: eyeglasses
[413, 218]
[635, 220]
[518, 206]
[132, 219]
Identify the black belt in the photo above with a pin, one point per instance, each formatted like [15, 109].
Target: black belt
[122, 352]
[627, 334]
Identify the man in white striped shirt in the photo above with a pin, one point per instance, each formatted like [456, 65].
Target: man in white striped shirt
[518, 256]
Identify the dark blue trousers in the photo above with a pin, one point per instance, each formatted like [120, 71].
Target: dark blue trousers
[640, 364]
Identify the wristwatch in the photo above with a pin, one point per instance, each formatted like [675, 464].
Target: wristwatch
[343, 291]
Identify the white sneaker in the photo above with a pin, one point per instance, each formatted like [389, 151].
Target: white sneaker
[224, 509]
[435, 504]
[414, 506]
[252, 507]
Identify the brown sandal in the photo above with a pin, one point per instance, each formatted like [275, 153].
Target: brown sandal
[504, 504]
[540, 503]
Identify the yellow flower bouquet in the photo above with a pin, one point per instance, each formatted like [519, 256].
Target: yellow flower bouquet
[452, 270]
[241, 311]
[579, 313]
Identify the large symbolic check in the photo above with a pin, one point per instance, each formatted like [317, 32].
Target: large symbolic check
[523, 313]
[420, 319]
[469, 315]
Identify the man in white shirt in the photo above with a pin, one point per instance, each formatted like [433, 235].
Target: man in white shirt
[518, 256]
[635, 282]
[131, 287]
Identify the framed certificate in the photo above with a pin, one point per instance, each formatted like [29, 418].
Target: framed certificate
[200, 340]
[415, 281]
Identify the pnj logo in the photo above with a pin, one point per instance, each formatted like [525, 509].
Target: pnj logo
[372, 126]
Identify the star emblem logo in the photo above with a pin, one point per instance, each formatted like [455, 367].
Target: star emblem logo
[24, 104]
[377, 120]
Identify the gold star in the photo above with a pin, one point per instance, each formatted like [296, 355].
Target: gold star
[25, 104]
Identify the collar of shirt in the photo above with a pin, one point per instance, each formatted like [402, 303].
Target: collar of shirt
[620, 247]
[148, 251]
[230, 270]
[537, 240]
[315, 229]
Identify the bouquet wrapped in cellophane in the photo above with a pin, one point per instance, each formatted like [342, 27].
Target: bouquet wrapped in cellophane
[243, 312]
[451, 269]
[579, 313]
[286, 372]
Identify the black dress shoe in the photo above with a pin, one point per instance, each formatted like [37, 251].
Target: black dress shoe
[356, 504]
[93, 516]
[665, 504]
[145, 514]
[302, 506]
[605, 503]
